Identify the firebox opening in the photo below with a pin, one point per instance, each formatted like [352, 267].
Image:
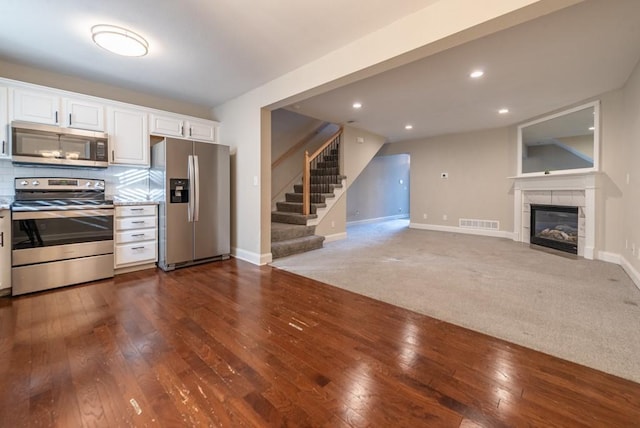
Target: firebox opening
[555, 226]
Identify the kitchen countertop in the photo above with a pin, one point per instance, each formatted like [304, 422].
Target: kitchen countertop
[120, 201]
[5, 202]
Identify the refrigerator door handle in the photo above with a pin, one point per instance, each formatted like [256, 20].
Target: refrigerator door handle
[196, 169]
[190, 174]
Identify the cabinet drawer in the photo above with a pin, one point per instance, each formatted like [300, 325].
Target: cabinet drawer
[136, 236]
[135, 210]
[136, 252]
[128, 223]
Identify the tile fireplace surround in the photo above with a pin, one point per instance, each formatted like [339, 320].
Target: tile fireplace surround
[575, 190]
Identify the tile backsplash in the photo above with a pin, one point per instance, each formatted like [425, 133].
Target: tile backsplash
[121, 181]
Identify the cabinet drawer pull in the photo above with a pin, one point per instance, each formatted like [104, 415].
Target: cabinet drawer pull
[137, 248]
[69, 119]
[1, 239]
[137, 235]
[138, 222]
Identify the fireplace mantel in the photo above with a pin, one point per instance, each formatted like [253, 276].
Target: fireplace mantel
[579, 190]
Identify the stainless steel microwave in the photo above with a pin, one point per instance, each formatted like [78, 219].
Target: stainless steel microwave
[34, 143]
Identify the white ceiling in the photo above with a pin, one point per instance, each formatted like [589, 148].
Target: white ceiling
[532, 69]
[201, 51]
[207, 52]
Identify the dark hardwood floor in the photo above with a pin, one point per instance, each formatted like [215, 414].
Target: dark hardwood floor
[232, 344]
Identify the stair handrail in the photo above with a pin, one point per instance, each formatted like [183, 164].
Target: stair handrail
[306, 170]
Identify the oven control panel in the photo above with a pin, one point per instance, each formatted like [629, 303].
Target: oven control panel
[58, 184]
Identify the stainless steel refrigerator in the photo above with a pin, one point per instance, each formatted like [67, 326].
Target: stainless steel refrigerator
[191, 180]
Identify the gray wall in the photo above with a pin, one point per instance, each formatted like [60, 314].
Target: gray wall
[381, 190]
[631, 190]
[477, 163]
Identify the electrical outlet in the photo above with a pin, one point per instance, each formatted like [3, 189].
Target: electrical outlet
[424, 216]
[633, 248]
[333, 223]
[444, 217]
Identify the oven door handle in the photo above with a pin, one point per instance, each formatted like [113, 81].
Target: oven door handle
[35, 215]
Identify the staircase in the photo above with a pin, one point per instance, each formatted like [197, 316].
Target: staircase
[290, 232]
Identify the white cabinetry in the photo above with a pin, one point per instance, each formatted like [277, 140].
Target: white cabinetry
[5, 152]
[136, 236]
[201, 131]
[128, 136]
[84, 114]
[35, 106]
[46, 107]
[183, 127]
[5, 249]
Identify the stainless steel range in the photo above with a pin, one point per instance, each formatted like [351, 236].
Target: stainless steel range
[62, 233]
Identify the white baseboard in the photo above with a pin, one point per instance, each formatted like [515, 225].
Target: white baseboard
[377, 219]
[335, 237]
[606, 256]
[251, 257]
[631, 271]
[467, 231]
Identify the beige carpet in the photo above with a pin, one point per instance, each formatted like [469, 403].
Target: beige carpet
[580, 310]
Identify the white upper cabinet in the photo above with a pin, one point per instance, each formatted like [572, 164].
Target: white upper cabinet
[128, 136]
[170, 126]
[183, 127]
[35, 106]
[83, 114]
[201, 130]
[5, 152]
[51, 109]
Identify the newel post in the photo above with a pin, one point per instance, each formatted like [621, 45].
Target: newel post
[306, 184]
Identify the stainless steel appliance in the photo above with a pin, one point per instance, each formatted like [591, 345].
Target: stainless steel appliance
[61, 233]
[192, 181]
[35, 143]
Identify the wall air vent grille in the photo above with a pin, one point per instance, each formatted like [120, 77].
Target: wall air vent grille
[479, 224]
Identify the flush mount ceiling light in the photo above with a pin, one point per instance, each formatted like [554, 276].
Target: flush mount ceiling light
[357, 105]
[119, 40]
[503, 111]
[407, 127]
[476, 74]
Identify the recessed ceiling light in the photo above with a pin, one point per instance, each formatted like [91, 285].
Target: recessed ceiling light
[592, 128]
[408, 127]
[503, 111]
[357, 105]
[476, 74]
[119, 40]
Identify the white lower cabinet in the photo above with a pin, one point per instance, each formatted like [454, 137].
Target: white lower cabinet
[136, 236]
[5, 249]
